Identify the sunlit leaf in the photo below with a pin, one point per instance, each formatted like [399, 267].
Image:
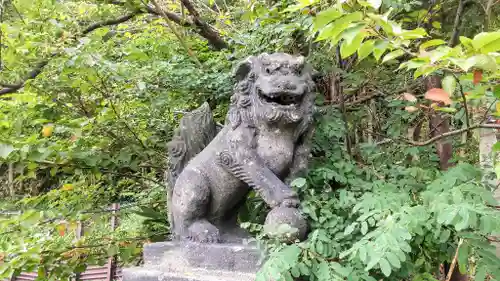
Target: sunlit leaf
[366, 49]
[449, 84]
[5, 150]
[392, 55]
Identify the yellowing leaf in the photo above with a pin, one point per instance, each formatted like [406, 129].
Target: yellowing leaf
[47, 130]
[61, 228]
[497, 106]
[67, 187]
[439, 95]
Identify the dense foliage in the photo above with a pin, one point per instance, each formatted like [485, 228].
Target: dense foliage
[92, 90]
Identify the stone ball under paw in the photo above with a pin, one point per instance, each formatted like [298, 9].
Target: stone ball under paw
[286, 223]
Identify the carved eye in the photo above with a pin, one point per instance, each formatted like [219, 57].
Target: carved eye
[268, 70]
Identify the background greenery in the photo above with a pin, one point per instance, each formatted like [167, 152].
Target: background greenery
[92, 90]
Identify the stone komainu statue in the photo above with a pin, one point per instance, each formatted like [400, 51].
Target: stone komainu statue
[265, 140]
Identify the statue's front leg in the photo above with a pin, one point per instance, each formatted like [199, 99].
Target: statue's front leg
[301, 155]
[249, 168]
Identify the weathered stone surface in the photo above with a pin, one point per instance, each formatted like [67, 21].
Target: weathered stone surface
[196, 261]
[265, 141]
[228, 257]
[151, 274]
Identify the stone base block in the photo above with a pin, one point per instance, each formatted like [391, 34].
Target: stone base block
[230, 257]
[189, 261]
[158, 274]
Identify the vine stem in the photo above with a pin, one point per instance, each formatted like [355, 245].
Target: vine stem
[454, 262]
[464, 100]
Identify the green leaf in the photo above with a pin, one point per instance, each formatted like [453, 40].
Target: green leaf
[365, 50]
[333, 30]
[444, 235]
[112, 250]
[325, 17]
[392, 55]
[393, 259]
[364, 228]
[480, 274]
[484, 62]
[464, 222]
[343, 271]
[449, 84]
[496, 91]
[323, 272]
[413, 34]
[362, 253]
[379, 48]
[464, 64]
[288, 276]
[349, 34]
[295, 272]
[467, 42]
[304, 270]
[298, 182]
[463, 257]
[5, 150]
[486, 41]
[432, 43]
[348, 230]
[385, 267]
[347, 49]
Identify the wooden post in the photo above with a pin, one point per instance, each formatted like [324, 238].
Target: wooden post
[112, 260]
[79, 234]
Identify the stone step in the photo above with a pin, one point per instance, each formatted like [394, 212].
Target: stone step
[159, 274]
[228, 257]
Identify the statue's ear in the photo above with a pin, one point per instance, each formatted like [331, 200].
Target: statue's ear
[243, 69]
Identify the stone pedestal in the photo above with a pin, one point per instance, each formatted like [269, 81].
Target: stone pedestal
[167, 261]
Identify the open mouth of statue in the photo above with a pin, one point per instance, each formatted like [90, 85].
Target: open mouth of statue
[280, 98]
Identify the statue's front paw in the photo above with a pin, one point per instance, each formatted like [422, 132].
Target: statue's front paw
[203, 232]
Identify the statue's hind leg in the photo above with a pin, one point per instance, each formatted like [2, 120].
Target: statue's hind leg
[190, 203]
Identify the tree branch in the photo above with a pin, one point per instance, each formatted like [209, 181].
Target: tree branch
[205, 29]
[456, 25]
[442, 136]
[11, 88]
[116, 21]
